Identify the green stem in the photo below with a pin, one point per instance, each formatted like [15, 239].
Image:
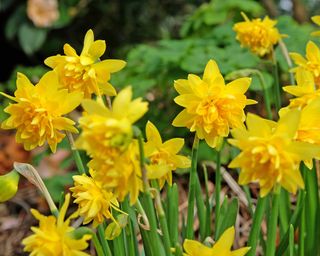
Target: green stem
[277, 83]
[76, 154]
[104, 243]
[156, 246]
[163, 224]
[256, 225]
[302, 230]
[208, 208]
[173, 213]
[97, 245]
[130, 234]
[217, 193]
[291, 240]
[192, 188]
[286, 56]
[272, 224]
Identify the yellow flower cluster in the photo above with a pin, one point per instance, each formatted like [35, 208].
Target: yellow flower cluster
[163, 155]
[211, 107]
[269, 152]
[86, 73]
[94, 202]
[258, 35]
[55, 236]
[38, 111]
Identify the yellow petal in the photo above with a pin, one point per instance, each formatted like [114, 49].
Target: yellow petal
[97, 49]
[258, 126]
[288, 123]
[316, 19]
[153, 134]
[157, 171]
[69, 51]
[211, 71]
[173, 145]
[108, 89]
[238, 86]
[195, 248]
[72, 101]
[298, 59]
[312, 52]
[225, 241]
[182, 86]
[54, 61]
[88, 40]
[93, 107]
[240, 252]
[182, 119]
[110, 66]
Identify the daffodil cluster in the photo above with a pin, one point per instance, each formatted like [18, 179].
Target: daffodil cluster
[55, 236]
[260, 36]
[211, 107]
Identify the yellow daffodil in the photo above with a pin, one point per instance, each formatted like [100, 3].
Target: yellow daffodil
[163, 155]
[86, 73]
[211, 107]
[122, 175]
[305, 90]
[38, 111]
[311, 63]
[106, 133]
[270, 155]
[258, 35]
[55, 236]
[316, 20]
[94, 202]
[221, 248]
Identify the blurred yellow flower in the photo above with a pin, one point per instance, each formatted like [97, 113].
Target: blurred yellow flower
[221, 248]
[122, 175]
[55, 237]
[270, 154]
[38, 112]
[86, 73]
[106, 133]
[305, 90]
[258, 35]
[163, 155]
[316, 20]
[95, 203]
[311, 63]
[211, 107]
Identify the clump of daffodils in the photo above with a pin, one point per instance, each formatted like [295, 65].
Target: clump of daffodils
[163, 156]
[107, 138]
[211, 107]
[86, 72]
[54, 236]
[270, 155]
[94, 202]
[258, 35]
[38, 111]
